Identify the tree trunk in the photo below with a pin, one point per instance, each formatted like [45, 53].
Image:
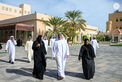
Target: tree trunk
[73, 39]
[68, 40]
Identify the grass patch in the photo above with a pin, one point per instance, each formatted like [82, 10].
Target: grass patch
[74, 43]
[119, 44]
[3, 52]
[24, 44]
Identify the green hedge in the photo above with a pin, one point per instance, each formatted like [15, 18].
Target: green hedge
[120, 44]
[3, 52]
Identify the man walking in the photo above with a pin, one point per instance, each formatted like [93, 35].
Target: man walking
[52, 40]
[10, 46]
[94, 44]
[61, 52]
[45, 40]
[29, 50]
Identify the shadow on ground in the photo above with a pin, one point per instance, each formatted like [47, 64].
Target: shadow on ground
[21, 60]
[49, 58]
[3, 61]
[19, 72]
[74, 55]
[53, 73]
[49, 72]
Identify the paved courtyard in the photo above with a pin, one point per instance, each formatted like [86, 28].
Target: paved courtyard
[108, 66]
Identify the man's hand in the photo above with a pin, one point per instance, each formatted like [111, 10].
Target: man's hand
[38, 45]
[79, 59]
[54, 58]
[67, 56]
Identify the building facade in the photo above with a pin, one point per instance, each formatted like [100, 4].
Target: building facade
[88, 30]
[34, 20]
[12, 17]
[8, 11]
[114, 23]
[117, 35]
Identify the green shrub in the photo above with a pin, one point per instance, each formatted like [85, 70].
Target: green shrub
[84, 37]
[120, 44]
[100, 38]
[107, 38]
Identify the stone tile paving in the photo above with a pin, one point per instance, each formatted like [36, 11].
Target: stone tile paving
[108, 66]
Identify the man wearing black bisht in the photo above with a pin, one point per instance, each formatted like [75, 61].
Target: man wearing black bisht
[0, 46]
[39, 58]
[87, 54]
[19, 42]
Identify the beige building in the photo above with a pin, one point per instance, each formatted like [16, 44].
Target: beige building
[113, 24]
[8, 11]
[32, 20]
[88, 30]
[117, 35]
[19, 22]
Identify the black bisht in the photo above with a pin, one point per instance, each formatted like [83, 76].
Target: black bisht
[0, 46]
[39, 58]
[87, 54]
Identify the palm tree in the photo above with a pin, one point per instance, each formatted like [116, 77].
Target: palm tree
[56, 23]
[75, 21]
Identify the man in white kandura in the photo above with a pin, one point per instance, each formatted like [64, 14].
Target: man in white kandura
[61, 52]
[52, 40]
[10, 46]
[94, 43]
[28, 48]
[45, 40]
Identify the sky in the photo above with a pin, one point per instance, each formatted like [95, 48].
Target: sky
[95, 12]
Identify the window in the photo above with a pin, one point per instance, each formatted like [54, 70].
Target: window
[121, 20]
[116, 20]
[6, 8]
[10, 9]
[15, 11]
[20, 12]
[25, 12]
[3, 8]
[28, 12]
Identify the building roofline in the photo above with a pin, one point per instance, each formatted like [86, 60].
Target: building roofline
[117, 30]
[10, 5]
[92, 27]
[115, 12]
[30, 17]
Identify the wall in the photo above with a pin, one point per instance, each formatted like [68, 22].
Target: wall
[8, 11]
[114, 21]
[35, 19]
